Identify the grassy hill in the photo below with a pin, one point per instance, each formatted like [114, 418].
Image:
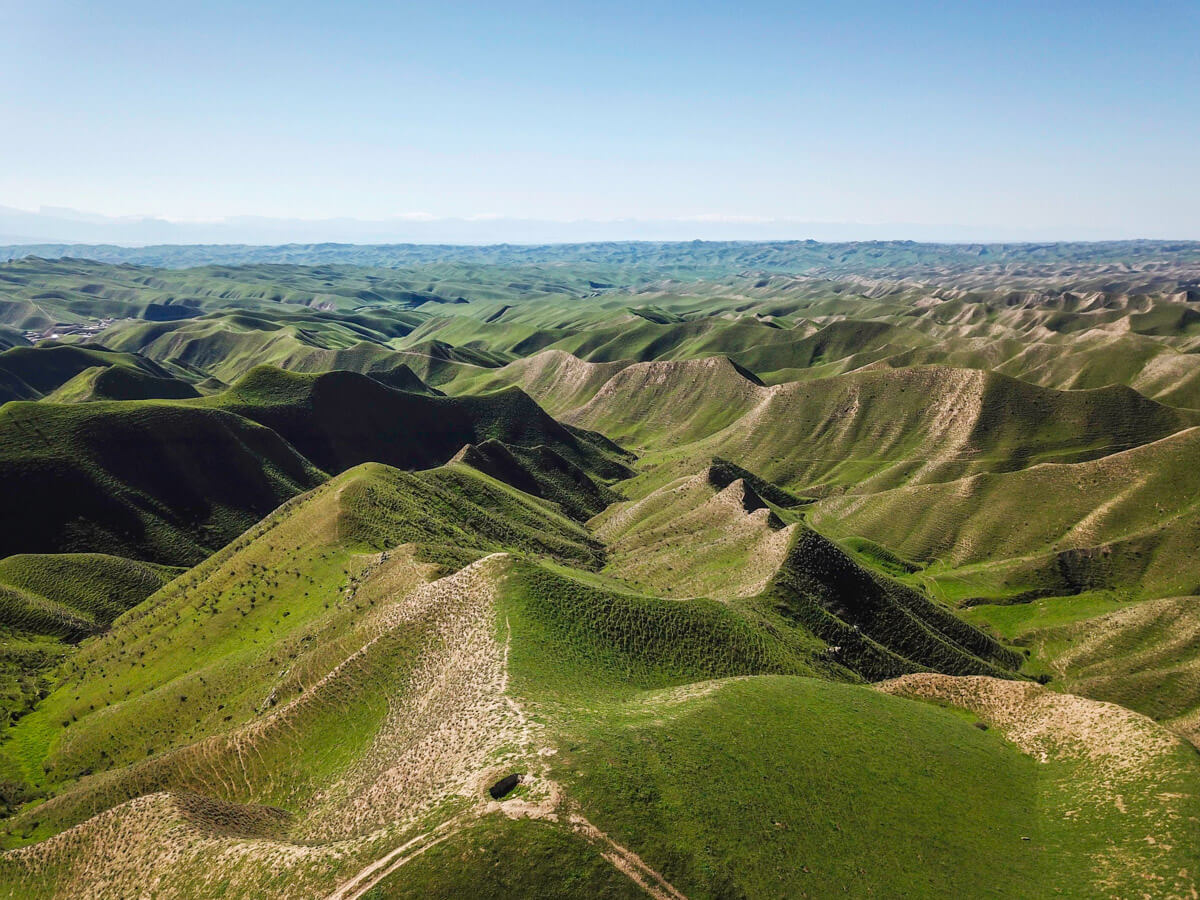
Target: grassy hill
[340, 419]
[160, 482]
[48, 601]
[304, 714]
[897, 598]
[652, 540]
[1125, 522]
[118, 383]
[171, 482]
[870, 430]
[31, 373]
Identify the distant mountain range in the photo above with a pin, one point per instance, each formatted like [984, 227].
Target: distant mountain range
[61, 225]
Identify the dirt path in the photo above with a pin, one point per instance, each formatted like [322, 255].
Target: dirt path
[375, 872]
[627, 862]
[548, 803]
[622, 858]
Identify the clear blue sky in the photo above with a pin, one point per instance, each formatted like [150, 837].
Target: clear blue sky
[1012, 114]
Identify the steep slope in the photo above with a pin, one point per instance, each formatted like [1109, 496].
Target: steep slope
[875, 625]
[870, 430]
[541, 472]
[670, 403]
[340, 419]
[153, 481]
[307, 586]
[30, 373]
[83, 591]
[712, 535]
[1143, 655]
[653, 542]
[1126, 521]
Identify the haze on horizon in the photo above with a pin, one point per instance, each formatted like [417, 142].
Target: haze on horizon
[470, 122]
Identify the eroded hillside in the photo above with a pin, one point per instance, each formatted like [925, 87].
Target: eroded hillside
[616, 570]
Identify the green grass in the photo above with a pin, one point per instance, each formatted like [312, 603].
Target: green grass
[795, 787]
[984, 458]
[142, 479]
[499, 858]
[574, 640]
[1016, 621]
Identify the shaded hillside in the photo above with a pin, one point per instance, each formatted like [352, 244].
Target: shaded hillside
[340, 419]
[153, 481]
[881, 628]
[85, 591]
[541, 472]
[119, 383]
[171, 482]
[30, 373]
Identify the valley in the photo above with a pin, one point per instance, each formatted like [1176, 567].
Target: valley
[735, 570]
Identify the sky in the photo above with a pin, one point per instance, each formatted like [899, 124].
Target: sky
[1040, 118]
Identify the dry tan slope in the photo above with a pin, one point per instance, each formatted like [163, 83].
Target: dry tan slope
[558, 380]
[653, 542]
[448, 724]
[451, 733]
[1152, 488]
[1172, 378]
[669, 402]
[154, 846]
[1145, 656]
[1108, 771]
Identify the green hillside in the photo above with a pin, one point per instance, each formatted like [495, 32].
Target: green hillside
[867, 431]
[713, 570]
[340, 419]
[1125, 522]
[607, 708]
[160, 482]
[30, 373]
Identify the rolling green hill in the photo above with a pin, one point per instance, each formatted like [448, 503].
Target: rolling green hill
[31, 373]
[171, 482]
[674, 570]
[1127, 522]
[160, 482]
[340, 419]
[304, 700]
[870, 430]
